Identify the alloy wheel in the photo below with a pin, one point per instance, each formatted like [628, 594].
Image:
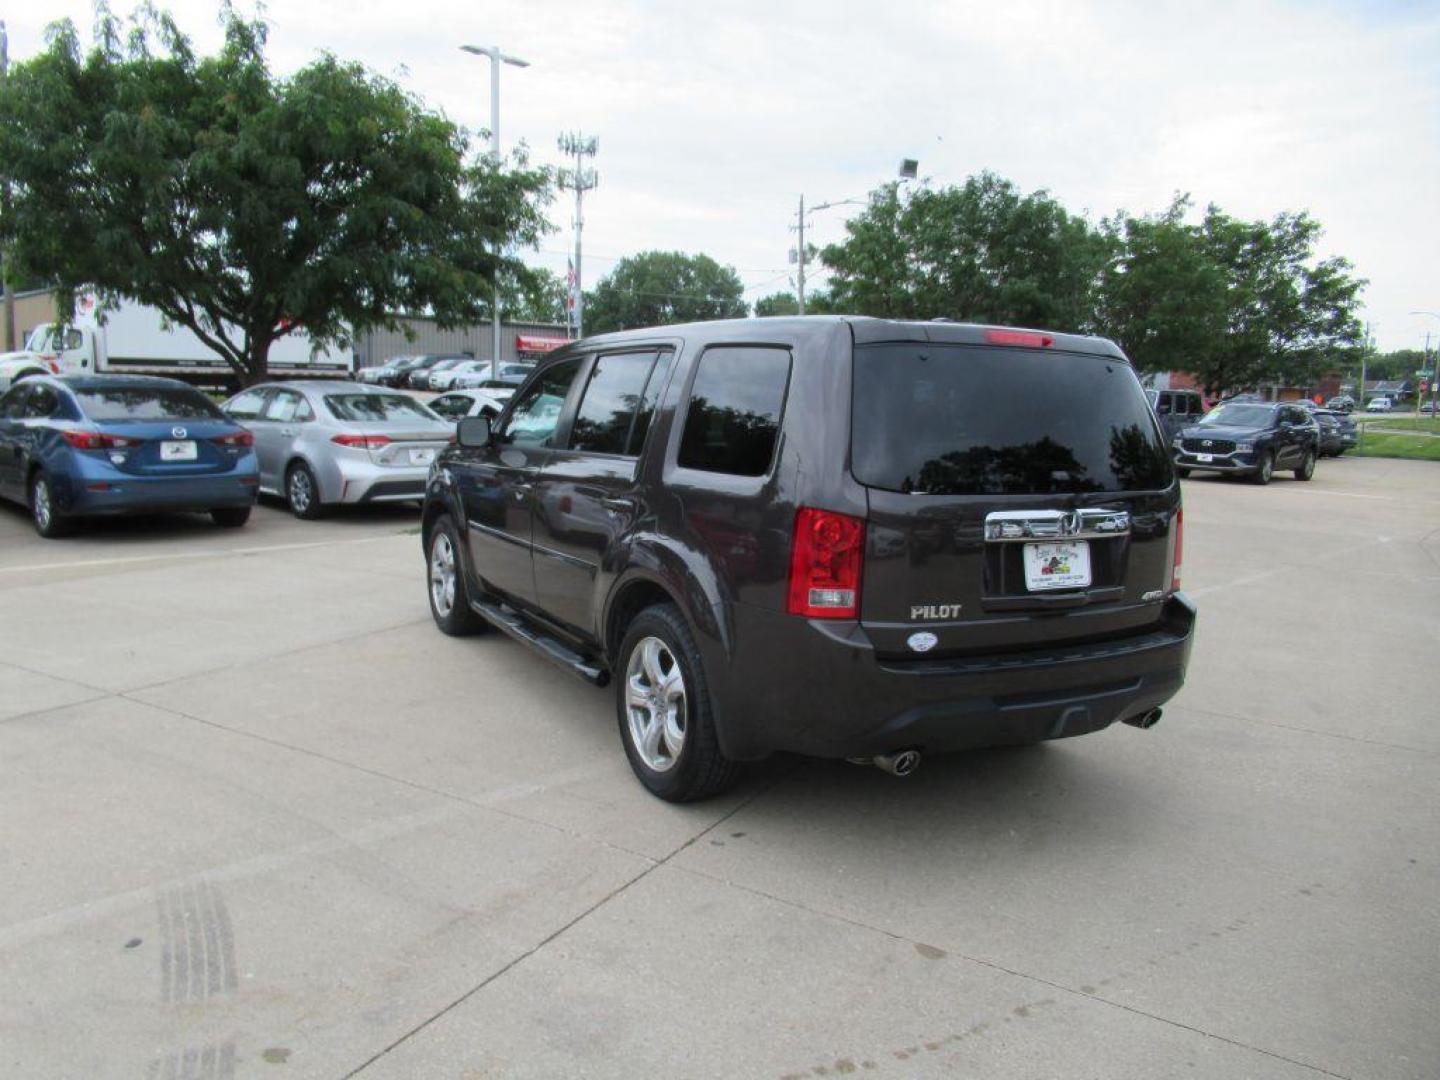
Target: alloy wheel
[442, 574]
[300, 490]
[655, 704]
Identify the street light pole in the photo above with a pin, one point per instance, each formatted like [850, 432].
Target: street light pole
[5, 206]
[496, 58]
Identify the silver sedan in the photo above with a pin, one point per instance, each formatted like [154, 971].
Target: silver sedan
[322, 444]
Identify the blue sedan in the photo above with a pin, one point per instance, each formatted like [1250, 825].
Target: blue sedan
[97, 444]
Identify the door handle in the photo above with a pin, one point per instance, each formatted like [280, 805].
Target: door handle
[287, 431]
[618, 505]
[521, 490]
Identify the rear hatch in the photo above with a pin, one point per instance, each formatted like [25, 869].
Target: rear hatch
[1018, 498]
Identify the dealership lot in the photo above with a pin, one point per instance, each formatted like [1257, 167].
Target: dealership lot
[261, 819]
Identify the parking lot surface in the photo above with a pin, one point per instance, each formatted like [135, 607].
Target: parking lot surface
[259, 818]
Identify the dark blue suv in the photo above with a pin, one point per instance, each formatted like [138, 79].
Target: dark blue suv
[74, 447]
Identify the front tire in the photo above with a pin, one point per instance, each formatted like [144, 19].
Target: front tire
[1265, 471]
[449, 598]
[230, 517]
[302, 492]
[49, 522]
[1306, 469]
[665, 713]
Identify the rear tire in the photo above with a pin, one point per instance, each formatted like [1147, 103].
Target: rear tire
[1306, 468]
[445, 582]
[665, 712]
[1265, 471]
[302, 492]
[1183, 473]
[49, 522]
[230, 517]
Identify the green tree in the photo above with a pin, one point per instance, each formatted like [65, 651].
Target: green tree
[786, 303]
[658, 288]
[243, 206]
[982, 252]
[540, 300]
[1236, 303]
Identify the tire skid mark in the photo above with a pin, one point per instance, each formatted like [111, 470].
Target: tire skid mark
[197, 964]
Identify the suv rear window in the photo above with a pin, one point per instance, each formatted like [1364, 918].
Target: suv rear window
[734, 413]
[972, 420]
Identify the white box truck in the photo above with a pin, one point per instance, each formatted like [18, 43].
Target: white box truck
[134, 340]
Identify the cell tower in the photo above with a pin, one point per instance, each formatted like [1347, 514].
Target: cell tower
[579, 179]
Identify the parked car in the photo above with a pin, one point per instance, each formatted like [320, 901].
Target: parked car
[1251, 438]
[1332, 436]
[322, 444]
[418, 377]
[90, 445]
[393, 373]
[462, 403]
[1176, 409]
[1380, 405]
[509, 374]
[987, 553]
[1341, 403]
[1430, 408]
[383, 374]
[443, 376]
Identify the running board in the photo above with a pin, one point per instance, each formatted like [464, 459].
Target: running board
[502, 618]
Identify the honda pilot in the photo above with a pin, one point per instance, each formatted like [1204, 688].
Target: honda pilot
[840, 537]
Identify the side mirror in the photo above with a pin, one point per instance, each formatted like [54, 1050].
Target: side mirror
[474, 431]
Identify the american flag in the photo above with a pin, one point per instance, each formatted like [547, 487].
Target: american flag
[570, 284]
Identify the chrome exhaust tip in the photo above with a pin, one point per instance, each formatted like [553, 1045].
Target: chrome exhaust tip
[1145, 721]
[900, 763]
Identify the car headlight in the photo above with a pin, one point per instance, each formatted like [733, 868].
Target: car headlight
[1245, 448]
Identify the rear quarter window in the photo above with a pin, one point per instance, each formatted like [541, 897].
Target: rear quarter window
[732, 422]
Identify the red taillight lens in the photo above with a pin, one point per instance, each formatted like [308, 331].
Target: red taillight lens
[371, 442]
[825, 558]
[243, 438]
[1026, 338]
[98, 440]
[1179, 549]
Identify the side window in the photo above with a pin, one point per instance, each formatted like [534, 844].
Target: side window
[451, 406]
[71, 340]
[303, 411]
[12, 405]
[246, 406]
[537, 410]
[733, 419]
[1163, 406]
[283, 406]
[612, 398]
[44, 402]
[648, 401]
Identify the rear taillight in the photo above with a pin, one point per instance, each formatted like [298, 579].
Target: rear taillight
[97, 440]
[825, 559]
[1179, 549]
[363, 442]
[1026, 338]
[243, 438]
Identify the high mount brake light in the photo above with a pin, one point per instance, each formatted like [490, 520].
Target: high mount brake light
[825, 559]
[363, 442]
[1026, 338]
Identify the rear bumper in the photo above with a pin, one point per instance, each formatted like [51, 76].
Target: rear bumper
[99, 490]
[817, 688]
[353, 481]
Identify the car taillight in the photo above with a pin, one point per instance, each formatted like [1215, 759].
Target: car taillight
[243, 438]
[1025, 338]
[97, 440]
[1179, 549]
[825, 559]
[371, 442]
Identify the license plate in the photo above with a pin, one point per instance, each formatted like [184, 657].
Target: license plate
[1204, 457]
[421, 457]
[1057, 566]
[183, 450]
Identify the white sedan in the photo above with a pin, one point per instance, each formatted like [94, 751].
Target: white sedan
[1379, 404]
[448, 378]
[462, 403]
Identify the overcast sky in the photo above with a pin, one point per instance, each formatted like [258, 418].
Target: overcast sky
[714, 118]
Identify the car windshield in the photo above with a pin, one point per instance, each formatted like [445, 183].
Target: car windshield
[1245, 416]
[147, 403]
[959, 420]
[371, 408]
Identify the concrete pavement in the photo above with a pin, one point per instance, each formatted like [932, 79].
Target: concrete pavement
[261, 819]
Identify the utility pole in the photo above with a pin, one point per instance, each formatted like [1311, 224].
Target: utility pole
[800, 257]
[579, 179]
[5, 205]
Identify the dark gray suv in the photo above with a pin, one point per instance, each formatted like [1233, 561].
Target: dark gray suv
[839, 537]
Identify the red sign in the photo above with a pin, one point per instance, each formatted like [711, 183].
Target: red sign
[532, 344]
